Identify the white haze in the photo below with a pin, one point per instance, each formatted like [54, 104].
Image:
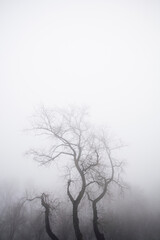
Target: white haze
[103, 54]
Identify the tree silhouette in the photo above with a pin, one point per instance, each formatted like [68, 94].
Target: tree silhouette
[73, 139]
[44, 202]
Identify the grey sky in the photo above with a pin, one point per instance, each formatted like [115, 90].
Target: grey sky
[103, 54]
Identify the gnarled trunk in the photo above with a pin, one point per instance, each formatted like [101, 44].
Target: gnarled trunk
[48, 228]
[99, 235]
[47, 222]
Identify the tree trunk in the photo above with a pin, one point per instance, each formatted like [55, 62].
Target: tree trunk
[99, 235]
[48, 228]
[47, 222]
[76, 222]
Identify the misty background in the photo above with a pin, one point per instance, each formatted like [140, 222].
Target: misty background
[101, 54]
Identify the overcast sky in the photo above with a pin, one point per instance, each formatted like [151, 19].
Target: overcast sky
[103, 54]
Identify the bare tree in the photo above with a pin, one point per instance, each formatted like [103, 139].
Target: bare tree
[74, 140]
[107, 173]
[47, 207]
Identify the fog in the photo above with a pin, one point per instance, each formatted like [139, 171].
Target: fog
[101, 54]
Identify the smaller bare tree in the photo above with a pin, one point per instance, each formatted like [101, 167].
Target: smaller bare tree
[102, 176]
[47, 206]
